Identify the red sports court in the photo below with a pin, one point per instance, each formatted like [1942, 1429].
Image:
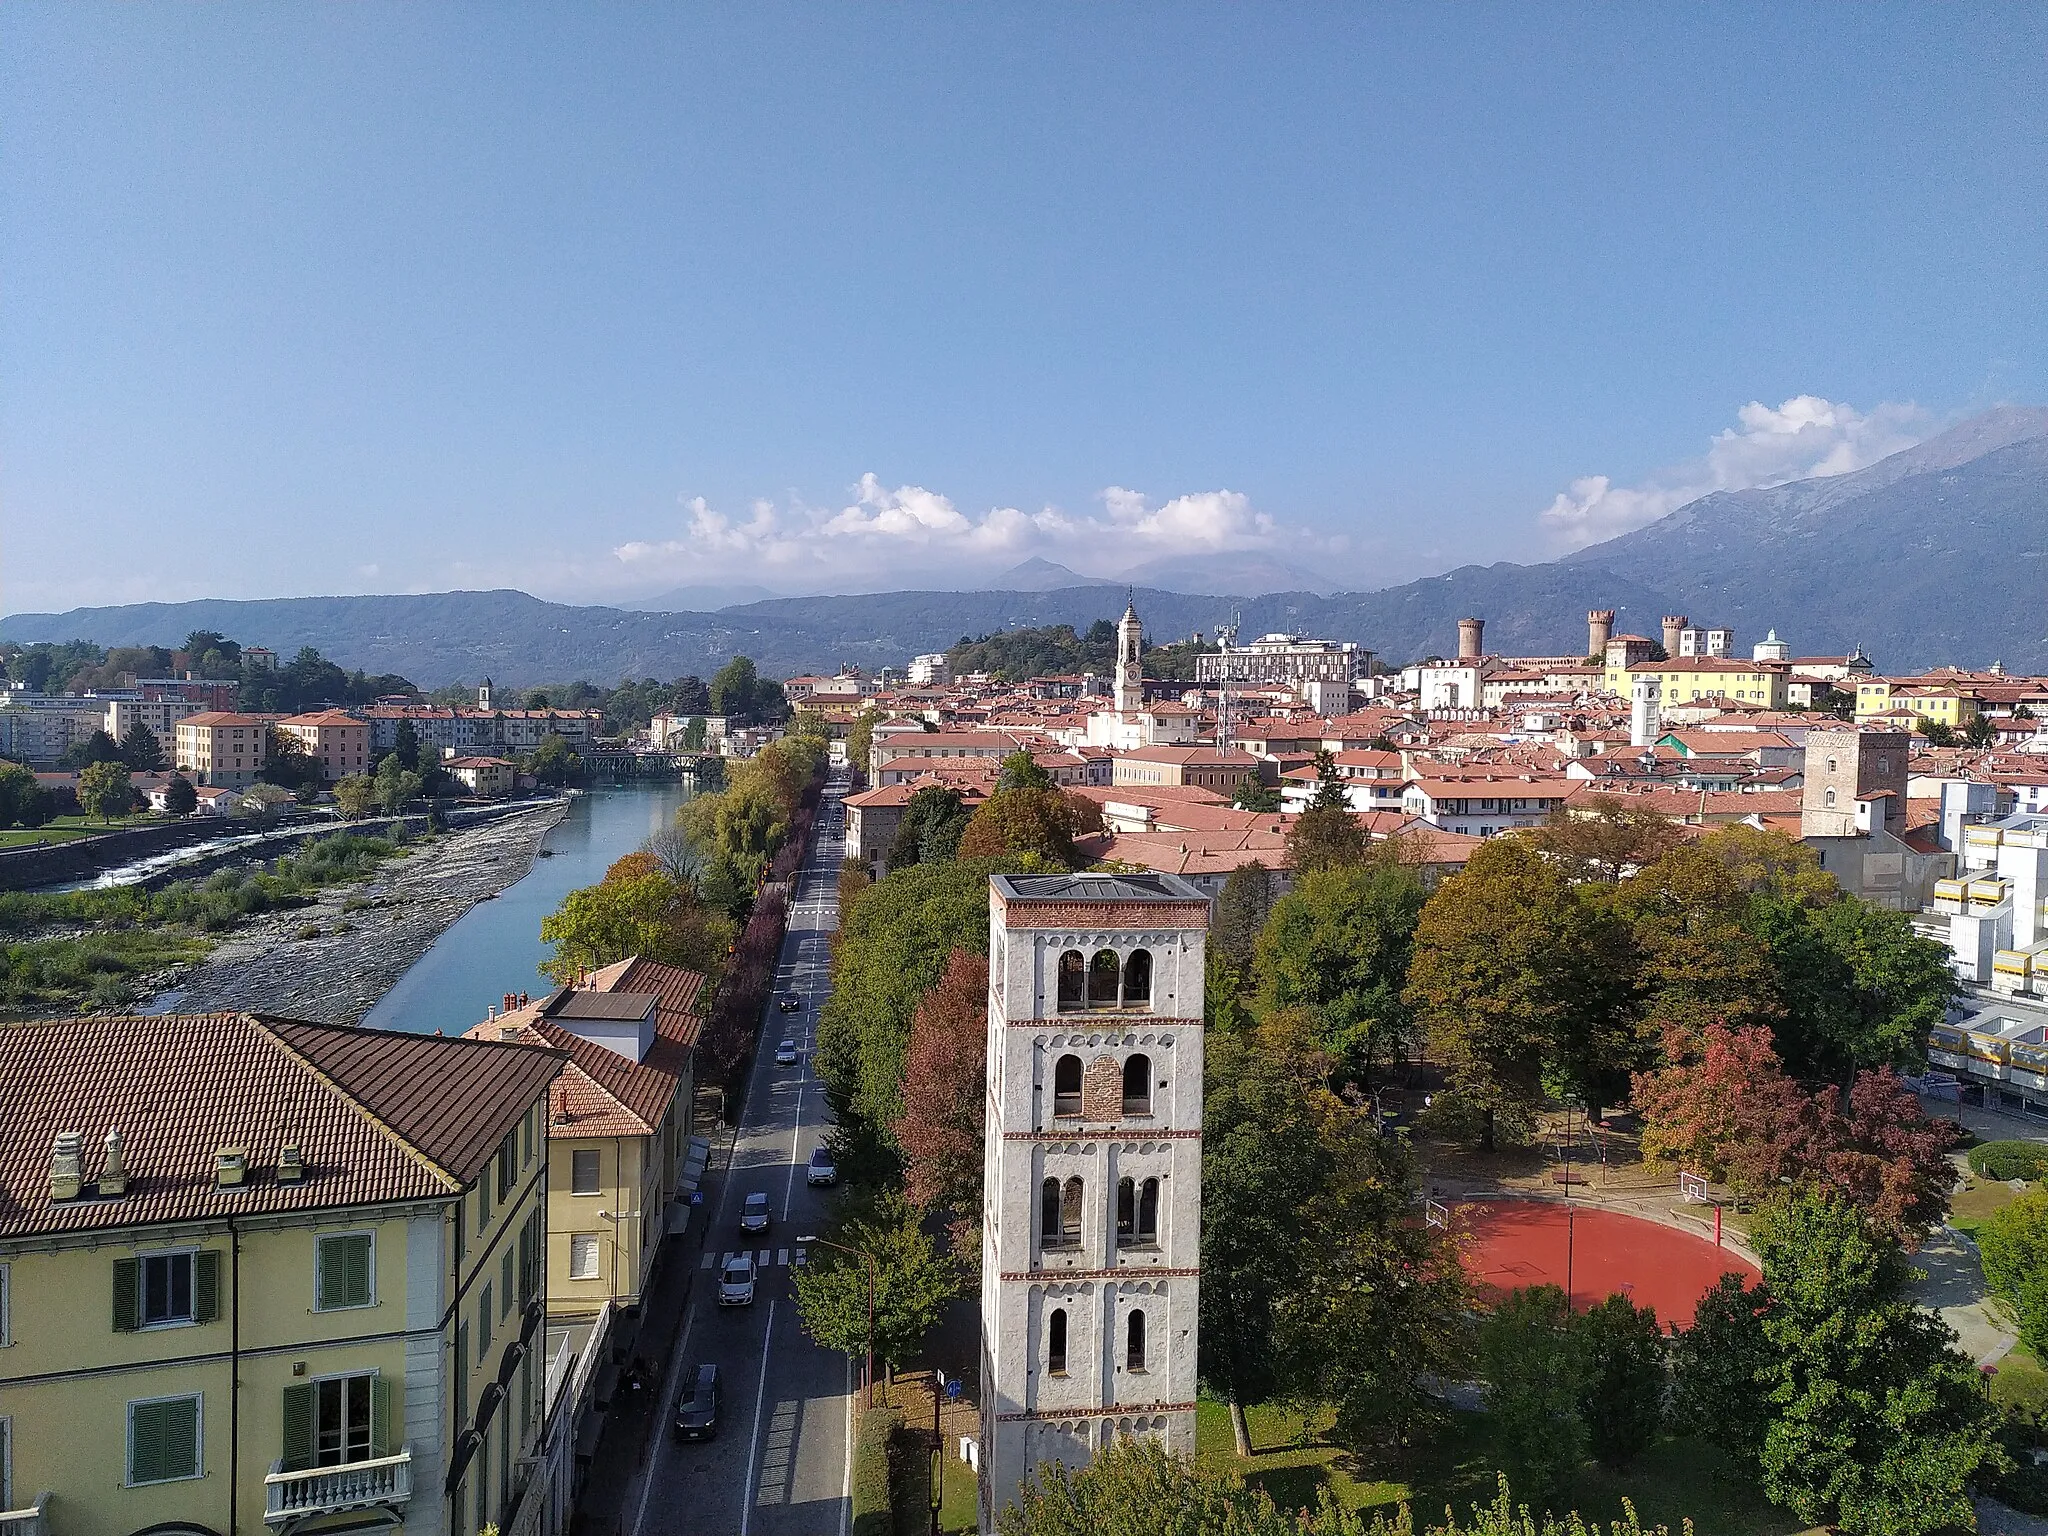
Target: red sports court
[1516, 1243]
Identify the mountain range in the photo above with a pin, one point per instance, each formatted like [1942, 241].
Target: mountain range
[1935, 555]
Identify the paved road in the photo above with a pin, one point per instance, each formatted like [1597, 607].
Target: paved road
[780, 1464]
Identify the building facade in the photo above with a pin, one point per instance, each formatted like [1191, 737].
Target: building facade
[1286, 660]
[1091, 1222]
[338, 741]
[219, 748]
[260, 1274]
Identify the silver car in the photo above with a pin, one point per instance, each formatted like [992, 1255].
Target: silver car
[754, 1214]
[785, 1054]
[736, 1281]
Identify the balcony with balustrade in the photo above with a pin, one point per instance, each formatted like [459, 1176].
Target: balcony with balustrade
[289, 1498]
[30, 1520]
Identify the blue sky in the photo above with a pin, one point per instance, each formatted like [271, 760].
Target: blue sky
[601, 300]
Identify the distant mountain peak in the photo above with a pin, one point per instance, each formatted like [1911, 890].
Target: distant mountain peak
[1039, 574]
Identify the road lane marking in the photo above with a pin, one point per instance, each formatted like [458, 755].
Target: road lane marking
[710, 1259]
[782, 1256]
[754, 1442]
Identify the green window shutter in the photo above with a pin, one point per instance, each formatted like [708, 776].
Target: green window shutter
[181, 1436]
[326, 1273]
[356, 1267]
[508, 1296]
[145, 1443]
[164, 1440]
[127, 1295]
[299, 1409]
[205, 1286]
[344, 1266]
[380, 1416]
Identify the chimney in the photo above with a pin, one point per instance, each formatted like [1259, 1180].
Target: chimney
[65, 1152]
[113, 1172]
[1673, 623]
[1471, 638]
[291, 1166]
[230, 1167]
[1599, 630]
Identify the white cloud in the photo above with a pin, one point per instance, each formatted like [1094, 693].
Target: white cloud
[891, 533]
[1806, 438]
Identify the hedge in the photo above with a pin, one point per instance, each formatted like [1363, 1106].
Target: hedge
[871, 1516]
[2003, 1160]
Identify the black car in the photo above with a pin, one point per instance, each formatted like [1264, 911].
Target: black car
[697, 1414]
[790, 1004]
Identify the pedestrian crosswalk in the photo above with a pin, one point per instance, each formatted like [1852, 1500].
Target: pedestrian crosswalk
[764, 1258]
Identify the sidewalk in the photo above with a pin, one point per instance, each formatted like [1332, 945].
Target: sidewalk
[611, 1484]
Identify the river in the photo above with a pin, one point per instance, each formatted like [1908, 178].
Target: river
[495, 947]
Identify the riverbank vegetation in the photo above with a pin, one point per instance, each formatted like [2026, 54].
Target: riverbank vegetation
[69, 950]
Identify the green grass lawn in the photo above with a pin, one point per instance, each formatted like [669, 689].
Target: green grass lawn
[1969, 1209]
[1673, 1481]
[2020, 1382]
[64, 829]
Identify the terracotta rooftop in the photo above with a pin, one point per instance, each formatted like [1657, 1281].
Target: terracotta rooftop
[377, 1115]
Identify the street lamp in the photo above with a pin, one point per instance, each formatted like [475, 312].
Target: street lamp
[873, 1270]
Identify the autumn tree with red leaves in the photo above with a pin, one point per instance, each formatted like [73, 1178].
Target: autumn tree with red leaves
[944, 1093]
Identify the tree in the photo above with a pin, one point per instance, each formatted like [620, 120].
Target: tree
[1876, 1421]
[99, 747]
[141, 751]
[1324, 837]
[356, 796]
[1531, 1366]
[406, 744]
[1695, 962]
[1338, 945]
[1602, 837]
[1513, 975]
[636, 910]
[672, 852]
[1137, 1488]
[934, 817]
[733, 689]
[2014, 1248]
[860, 739]
[554, 761]
[395, 787]
[180, 797]
[1979, 731]
[1021, 771]
[286, 763]
[1718, 1367]
[1937, 733]
[1242, 907]
[1622, 1378]
[945, 1089]
[1253, 794]
[913, 1282]
[23, 800]
[104, 790]
[1014, 821]
[1899, 986]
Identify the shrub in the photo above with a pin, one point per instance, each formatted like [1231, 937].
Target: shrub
[2013, 1244]
[2003, 1160]
[1531, 1365]
[871, 1515]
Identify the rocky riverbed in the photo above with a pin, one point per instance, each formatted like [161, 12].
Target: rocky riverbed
[331, 961]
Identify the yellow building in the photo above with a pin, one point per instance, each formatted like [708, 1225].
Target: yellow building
[1683, 679]
[216, 747]
[618, 1124]
[1938, 703]
[333, 738]
[262, 1275]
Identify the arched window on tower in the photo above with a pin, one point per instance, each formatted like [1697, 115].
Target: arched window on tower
[1070, 1213]
[1049, 1214]
[1134, 1343]
[1073, 982]
[1138, 979]
[1137, 1085]
[1103, 975]
[1126, 1210]
[1056, 1342]
[1066, 1086]
[1828, 797]
[1148, 1211]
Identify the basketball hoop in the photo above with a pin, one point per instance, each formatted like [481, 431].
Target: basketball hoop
[1436, 1213]
[1694, 1189]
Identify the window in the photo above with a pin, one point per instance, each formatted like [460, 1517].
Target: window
[1831, 765]
[483, 1204]
[163, 1439]
[1134, 1343]
[583, 1256]
[485, 1316]
[1148, 1211]
[1126, 1210]
[6, 1338]
[529, 1258]
[1138, 1085]
[1049, 1213]
[1104, 973]
[584, 1172]
[161, 1290]
[461, 1373]
[1056, 1342]
[335, 1422]
[343, 1272]
[508, 1295]
[1066, 1086]
[508, 1155]
[482, 1464]
[1070, 1213]
[1138, 979]
[1072, 970]
[1828, 798]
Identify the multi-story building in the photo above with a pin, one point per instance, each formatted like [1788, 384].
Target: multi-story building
[335, 739]
[1682, 679]
[1488, 806]
[486, 776]
[618, 1124]
[1091, 1222]
[258, 1273]
[1204, 767]
[219, 748]
[1288, 660]
[930, 671]
[1938, 703]
[487, 731]
[1854, 781]
[160, 716]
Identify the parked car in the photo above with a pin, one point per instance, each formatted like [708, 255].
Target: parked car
[697, 1414]
[754, 1214]
[736, 1281]
[791, 1004]
[785, 1054]
[822, 1169]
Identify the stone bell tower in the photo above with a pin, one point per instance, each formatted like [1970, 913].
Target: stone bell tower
[1092, 1203]
[1130, 665]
